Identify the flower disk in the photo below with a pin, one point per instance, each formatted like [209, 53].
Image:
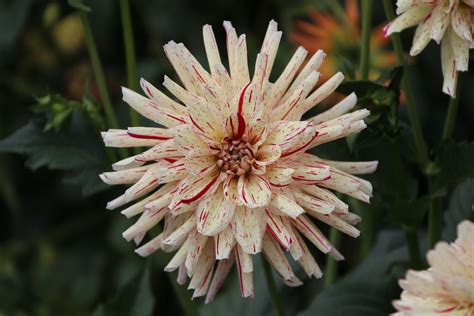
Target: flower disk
[228, 171]
[447, 287]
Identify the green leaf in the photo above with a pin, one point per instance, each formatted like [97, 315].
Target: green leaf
[370, 288]
[78, 153]
[455, 164]
[135, 298]
[79, 4]
[382, 101]
[459, 209]
[59, 111]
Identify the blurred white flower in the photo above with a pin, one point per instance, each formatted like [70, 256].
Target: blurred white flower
[235, 178]
[447, 287]
[449, 22]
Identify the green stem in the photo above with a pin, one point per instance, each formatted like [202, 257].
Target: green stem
[411, 235]
[272, 289]
[451, 117]
[367, 8]
[330, 274]
[110, 116]
[412, 113]
[435, 220]
[129, 54]
[368, 223]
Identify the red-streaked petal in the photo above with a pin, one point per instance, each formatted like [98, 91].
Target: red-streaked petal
[276, 227]
[249, 227]
[214, 214]
[254, 190]
[195, 188]
[310, 231]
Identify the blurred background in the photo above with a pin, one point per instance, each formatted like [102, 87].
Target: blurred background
[61, 251]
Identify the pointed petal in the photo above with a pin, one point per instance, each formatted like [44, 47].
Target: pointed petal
[222, 270]
[276, 227]
[195, 250]
[249, 226]
[283, 203]
[310, 231]
[195, 188]
[254, 190]
[224, 243]
[277, 259]
[151, 110]
[214, 213]
[245, 278]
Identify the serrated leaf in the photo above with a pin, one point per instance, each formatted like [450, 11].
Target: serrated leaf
[460, 208]
[77, 152]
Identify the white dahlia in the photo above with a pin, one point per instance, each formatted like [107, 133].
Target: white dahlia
[229, 173]
[449, 22]
[447, 287]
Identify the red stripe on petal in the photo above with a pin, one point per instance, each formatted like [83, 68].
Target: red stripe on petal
[147, 136]
[201, 193]
[300, 148]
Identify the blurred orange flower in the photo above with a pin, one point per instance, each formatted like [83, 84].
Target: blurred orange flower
[342, 39]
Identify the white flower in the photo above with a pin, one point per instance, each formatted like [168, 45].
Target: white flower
[447, 287]
[235, 177]
[449, 22]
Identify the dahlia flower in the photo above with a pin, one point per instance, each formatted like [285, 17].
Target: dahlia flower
[342, 38]
[228, 173]
[449, 22]
[447, 287]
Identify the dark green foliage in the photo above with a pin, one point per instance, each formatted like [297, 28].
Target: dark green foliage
[80, 155]
[62, 253]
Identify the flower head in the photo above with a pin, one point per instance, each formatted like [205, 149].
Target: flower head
[449, 22]
[342, 39]
[229, 174]
[447, 287]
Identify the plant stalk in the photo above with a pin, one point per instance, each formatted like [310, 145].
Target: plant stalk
[451, 116]
[330, 273]
[130, 59]
[412, 113]
[272, 289]
[110, 116]
[367, 9]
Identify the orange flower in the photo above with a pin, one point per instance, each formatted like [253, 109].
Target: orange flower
[342, 39]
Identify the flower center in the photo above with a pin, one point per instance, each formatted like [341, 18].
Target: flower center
[236, 156]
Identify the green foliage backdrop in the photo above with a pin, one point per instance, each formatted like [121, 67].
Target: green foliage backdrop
[61, 252]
